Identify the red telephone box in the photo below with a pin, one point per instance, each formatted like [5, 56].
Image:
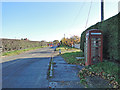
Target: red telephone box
[93, 47]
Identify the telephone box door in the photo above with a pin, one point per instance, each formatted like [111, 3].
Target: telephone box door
[96, 49]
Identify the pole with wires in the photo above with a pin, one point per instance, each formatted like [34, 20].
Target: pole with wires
[102, 10]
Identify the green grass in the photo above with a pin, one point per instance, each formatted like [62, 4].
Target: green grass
[62, 49]
[49, 68]
[16, 52]
[106, 68]
[71, 57]
[65, 48]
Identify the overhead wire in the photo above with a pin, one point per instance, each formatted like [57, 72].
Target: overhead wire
[79, 11]
[88, 14]
[78, 14]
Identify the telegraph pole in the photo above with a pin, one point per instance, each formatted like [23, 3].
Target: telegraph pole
[102, 10]
[118, 6]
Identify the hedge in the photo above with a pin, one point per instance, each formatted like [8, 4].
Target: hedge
[15, 44]
[111, 39]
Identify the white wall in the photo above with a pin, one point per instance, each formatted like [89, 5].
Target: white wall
[77, 46]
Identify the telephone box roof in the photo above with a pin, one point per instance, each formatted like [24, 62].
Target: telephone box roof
[93, 30]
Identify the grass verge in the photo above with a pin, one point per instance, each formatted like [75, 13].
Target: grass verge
[65, 48]
[16, 52]
[106, 69]
[70, 57]
[49, 68]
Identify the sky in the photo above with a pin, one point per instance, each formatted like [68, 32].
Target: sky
[51, 20]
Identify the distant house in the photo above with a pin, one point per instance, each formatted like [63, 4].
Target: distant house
[25, 39]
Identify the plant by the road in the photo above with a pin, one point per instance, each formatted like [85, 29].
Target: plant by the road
[49, 68]
[65, 48]
[16, 52]
[70, 57]
[106, 70]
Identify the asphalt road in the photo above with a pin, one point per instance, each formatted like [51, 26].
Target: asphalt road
[27, 70]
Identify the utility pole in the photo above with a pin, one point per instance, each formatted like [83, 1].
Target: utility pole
[64, 37]
[118, 6]
[102, 10]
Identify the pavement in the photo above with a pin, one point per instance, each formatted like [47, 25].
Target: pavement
[65, 75]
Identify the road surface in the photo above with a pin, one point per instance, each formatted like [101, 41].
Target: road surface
[27, 70]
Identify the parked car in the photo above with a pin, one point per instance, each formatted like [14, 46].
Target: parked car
[51, 45]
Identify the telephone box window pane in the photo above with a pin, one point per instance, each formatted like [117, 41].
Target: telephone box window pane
[95, 49]
[96, 42]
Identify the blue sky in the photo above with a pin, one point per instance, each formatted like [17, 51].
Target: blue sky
[50, 20]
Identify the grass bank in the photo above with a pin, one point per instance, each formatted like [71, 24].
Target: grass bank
[70, 57]
[106, 70]
[65, 48]
[16, 52]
